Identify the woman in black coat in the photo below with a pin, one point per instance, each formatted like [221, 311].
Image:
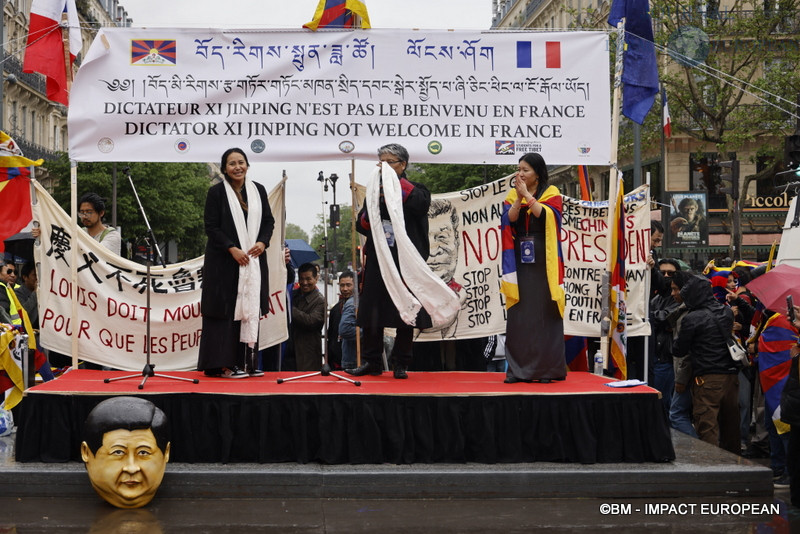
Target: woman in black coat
[221, 351]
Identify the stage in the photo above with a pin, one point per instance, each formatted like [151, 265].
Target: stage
[436, 417]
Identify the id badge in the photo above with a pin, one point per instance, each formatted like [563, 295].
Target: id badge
[526, 253]
[388, 231]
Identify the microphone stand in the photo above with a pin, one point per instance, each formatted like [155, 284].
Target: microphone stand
[325, 370]
[149, 368]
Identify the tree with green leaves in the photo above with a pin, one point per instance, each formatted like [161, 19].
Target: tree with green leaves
[449, 177]
[294, 231]
[731, 73]
[732, 81]
[172, 194]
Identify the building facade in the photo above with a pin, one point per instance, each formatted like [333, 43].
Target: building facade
[686, 163]
[38, 125]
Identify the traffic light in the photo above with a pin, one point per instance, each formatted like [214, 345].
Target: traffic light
[792, 152]
[731, 176]
[334, 218]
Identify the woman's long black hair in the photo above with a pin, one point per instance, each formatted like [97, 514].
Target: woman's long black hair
[536, 161]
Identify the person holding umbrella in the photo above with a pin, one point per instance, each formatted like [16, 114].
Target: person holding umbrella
[790, 414]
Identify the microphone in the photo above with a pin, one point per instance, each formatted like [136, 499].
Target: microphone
[127, 170]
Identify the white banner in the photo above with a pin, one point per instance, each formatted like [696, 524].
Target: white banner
[170, 94]
[112, 301]
[466, 247]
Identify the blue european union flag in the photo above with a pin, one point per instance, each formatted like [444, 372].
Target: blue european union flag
[639, 69]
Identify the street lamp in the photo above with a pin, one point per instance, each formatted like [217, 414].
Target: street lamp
[334, 212]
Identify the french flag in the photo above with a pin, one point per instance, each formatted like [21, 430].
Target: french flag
[665, 112]
[551, 53]
[45, 51]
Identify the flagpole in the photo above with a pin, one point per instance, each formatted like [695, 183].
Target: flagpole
[354, 253]
[65, 39]
[647, 293]
[73, 203]
[73, 200]
[613, 178]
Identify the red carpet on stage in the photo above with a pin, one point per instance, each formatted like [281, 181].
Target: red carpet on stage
[85, 382]
[433, 417]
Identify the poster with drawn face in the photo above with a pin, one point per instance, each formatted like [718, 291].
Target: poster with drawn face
[688, 219]
[465, 251]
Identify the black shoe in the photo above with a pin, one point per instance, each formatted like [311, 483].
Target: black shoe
[510, 379]
[400, 371]
[367, 368]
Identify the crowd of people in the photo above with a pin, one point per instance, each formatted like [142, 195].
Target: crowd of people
[705, 392]
[693, 315]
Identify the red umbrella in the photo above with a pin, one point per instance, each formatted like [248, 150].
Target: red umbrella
[774, 286]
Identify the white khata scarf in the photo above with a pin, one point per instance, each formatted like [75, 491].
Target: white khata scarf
[248, 297]
[418, 287]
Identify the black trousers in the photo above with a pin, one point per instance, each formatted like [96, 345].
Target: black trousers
[793, 464]
[372, 346]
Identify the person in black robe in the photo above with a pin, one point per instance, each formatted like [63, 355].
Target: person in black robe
[376, 309]
[221, 353]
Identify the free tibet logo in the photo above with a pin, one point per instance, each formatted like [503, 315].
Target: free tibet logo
[435, 147]
[584, 149]
[504, 148]
[346, 147]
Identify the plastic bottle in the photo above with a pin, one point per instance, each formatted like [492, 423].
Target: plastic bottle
[598, 363]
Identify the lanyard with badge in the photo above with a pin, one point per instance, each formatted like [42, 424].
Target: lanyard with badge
[526, 243]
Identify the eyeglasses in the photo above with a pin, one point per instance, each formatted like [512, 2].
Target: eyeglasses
[11, 271]
[86, 213]
[666, 273]
[391, 162]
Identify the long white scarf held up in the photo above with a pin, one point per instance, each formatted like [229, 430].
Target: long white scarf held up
[419, 286]
[248, 295]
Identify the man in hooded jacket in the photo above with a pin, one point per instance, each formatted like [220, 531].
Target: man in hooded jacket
[714, 382]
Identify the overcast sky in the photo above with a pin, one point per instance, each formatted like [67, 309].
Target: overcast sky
[303, 193]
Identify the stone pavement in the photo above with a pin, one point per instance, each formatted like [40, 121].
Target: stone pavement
[704, 490]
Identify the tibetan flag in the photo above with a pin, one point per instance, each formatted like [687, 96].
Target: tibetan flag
[15, 188]
[576, 351]
[583, 179]
[554, 259]
[774, 363]
[665, 114]
[339, 14]
[11, 379]
[45, 51]
[719, 276]
[719, 280]
[11, 155]
[618, 293]
[639, 69]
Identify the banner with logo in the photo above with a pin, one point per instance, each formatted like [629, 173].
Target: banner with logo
[111, 325]
[179, 94]
[465, 251]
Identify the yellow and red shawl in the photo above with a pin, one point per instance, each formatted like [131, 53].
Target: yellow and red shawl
[552, 205]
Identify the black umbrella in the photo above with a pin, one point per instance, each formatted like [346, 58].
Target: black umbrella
[20, 245]
[301, 252]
